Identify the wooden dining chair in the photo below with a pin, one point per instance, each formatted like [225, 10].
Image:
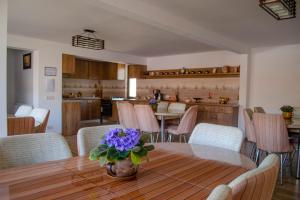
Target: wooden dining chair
[272, 137]
[127, 116]
[41, 117]
[259, 110]
[147, 120]
[259, 183]
[250, 131]
[23, 110]
[186, 125]
[20, 125]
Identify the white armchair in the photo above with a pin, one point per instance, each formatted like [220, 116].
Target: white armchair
[20, 150]
[217, 135]
[88, 138]
[221, 192]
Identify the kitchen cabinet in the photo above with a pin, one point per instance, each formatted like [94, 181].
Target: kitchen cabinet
[90, 109]
[96, 70]
[218, 114]
[110, 71]
[137, 71]
[68, 64]
[121, 72]
[81, 69]
[70, 118]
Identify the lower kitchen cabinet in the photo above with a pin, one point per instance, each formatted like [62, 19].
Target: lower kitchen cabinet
[70, 118]
[90, 109]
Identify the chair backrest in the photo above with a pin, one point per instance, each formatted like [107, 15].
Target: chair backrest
[162, 106]
[20, 150]
[23, 110]
[249, 126]
[89, 137]
[221, 192]
[259, 183]
[271, 133]
[259, 110]
[41, 117]
[176, 107]
[146, 118]
[127, 117]
[217, 135]
[20, 125]
[188, 121]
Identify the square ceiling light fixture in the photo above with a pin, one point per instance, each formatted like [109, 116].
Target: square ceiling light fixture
[88, 39]
[279, 9]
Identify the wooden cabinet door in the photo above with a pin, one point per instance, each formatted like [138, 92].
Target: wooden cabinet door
[110, 71]
[136, 71]
[96, 70]
[71, 118]
[84, 110]
[68, 64]
[81, 69]
[121, 72]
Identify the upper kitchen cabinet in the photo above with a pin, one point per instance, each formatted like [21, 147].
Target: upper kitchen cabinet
[81, 69]
[96, 70]
[136, 71]
[110, 71]
[68, 64]
[121, 72]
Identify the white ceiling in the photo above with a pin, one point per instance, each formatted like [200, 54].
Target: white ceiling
[149, 33]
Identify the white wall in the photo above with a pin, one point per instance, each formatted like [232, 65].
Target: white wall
[274, 77]
[48, 53]
[3, 50]
[207, 59]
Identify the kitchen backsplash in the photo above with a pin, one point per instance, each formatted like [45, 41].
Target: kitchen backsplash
[209, 89]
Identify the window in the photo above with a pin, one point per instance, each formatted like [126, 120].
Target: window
[132, 87]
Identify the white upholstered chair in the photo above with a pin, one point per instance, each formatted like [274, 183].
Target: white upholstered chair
[176, 107]
[259, 183]
[217, 135]
[29, 149]
[41, 117]
[162, 106]
[221, 192]
[88, 138]
[127, 116]
[23, 110]
[256, 184]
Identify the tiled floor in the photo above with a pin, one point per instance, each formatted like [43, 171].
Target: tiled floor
[290, 190]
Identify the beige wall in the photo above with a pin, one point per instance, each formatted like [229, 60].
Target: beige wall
[275, 77]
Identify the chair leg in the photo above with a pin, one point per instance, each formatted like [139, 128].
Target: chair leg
[184, 137]
[257, 157]
[281, 168]
[180, 138]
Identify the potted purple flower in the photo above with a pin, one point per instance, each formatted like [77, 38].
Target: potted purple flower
[153, 103]
[122, 150]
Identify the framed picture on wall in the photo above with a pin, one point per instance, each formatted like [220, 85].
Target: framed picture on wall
[27, 61]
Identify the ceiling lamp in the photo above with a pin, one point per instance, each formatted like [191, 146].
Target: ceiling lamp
[88, 39]
[279, 9]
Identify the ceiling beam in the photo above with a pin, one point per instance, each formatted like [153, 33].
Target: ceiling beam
[159, 18]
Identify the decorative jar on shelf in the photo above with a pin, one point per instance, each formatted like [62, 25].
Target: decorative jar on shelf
[287, 111]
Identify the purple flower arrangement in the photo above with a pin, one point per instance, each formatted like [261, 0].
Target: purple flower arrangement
[119, 144]
[152, 101]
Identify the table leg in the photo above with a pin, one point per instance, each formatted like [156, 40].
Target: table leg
[162, 129]
[298, 160]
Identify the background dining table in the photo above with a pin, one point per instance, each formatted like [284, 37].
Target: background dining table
[162, 116]
[175, 171]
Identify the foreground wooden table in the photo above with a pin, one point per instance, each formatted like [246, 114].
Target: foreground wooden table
[175, 171]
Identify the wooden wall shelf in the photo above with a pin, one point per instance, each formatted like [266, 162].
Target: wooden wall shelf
[214, 72]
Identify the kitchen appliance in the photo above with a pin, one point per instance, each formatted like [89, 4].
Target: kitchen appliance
[105, 109]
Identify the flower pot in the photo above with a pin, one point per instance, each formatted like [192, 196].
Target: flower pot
[154, 107]
[287, 115]
[122, 169]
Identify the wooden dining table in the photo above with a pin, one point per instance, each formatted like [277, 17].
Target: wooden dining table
[293, 126]
[162, 116]
[175, 171]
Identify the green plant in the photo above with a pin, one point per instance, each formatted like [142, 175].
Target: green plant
[287, 108]
[119, 144]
